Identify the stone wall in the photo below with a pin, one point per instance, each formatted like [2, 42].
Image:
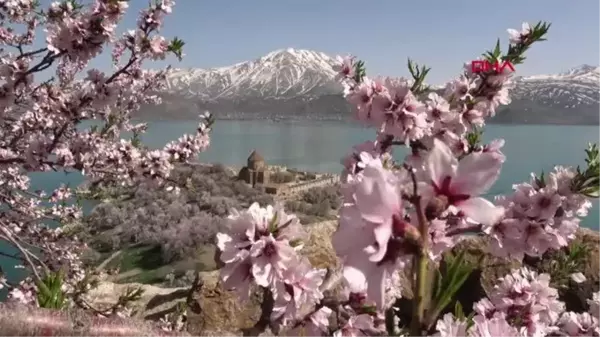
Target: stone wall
[301, 187]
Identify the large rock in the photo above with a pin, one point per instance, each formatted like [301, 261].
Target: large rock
[153, 303]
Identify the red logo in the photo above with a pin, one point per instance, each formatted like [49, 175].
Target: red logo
[479, 66]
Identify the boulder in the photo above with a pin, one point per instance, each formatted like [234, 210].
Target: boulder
[153, 303]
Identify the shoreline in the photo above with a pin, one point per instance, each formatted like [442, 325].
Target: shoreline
[338, 121]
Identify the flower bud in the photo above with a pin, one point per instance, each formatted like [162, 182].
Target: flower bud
[357, 300]
[436, 207]
[405, 230]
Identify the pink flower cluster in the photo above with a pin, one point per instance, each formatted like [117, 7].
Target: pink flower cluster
[444, 173]
[523, 304]
[396, 213]
[378, 225]
[261, 246]
[541, 215]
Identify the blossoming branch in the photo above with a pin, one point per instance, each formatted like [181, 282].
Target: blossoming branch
[404, 215]
[43, 104]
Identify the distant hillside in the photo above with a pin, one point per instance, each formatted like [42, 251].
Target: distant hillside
[300, 84]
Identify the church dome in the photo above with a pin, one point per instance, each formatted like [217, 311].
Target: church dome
[255, 161]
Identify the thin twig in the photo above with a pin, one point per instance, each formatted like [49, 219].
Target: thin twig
[421, 262]
[8, 237]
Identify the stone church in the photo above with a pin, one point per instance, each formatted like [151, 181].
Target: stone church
[256, 170]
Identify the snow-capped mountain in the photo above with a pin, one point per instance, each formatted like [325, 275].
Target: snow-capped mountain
[575, 87]
[301, 84]
[282, 73]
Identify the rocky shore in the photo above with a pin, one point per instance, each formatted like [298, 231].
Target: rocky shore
[214, 311]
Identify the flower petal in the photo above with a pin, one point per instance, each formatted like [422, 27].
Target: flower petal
[262, 271]
[382, 232]
[375, 196]
[353, 233]
[476, 173]
[481, 211]
[440, 162]
[578, 277]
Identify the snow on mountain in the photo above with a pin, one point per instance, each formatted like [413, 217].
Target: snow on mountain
[283, 73]
[573, 88]
[305, 74]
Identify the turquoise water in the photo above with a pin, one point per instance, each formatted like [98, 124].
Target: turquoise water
[319, 147]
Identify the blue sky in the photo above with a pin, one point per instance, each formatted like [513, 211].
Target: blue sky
[442, 34]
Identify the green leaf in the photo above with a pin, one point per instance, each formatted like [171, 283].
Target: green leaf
[368, 309]
[273, 224]
[359, 71]
[176, 47]
[459, 313]
[474, 137]
[452, 279]
[50, 294]
[418, 73]
[438, 283]
[540, 181]
[295, 243]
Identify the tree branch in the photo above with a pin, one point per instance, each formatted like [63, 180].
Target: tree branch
[421, 263]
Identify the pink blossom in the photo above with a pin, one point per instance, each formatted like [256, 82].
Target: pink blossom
[495, 326]
[579, 324]
[354, 242]
[298, 289]
[237, 274]
[158, 47]
[516, 36]
[459, 89]
[355, 161]
[379, 202]
[525, 296]
[361, 97]
[459, 182]
[264, 236]
[345, 67]
[449, 326]
[438, 110]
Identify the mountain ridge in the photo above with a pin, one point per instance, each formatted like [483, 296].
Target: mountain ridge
[301, 84]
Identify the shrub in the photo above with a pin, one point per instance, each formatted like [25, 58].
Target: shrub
[178, 223]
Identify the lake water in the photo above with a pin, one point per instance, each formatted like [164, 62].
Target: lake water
[318, 146]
